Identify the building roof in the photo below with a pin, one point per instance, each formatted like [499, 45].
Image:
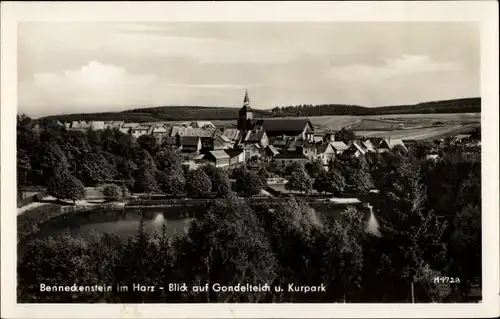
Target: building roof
[339, 145]
[272, 149]
[224, 138]
[284, 126]
[231, 133]
[357, 146]
[391, 143]
[295, 155]
[128, 125]
[369, 145]
[233, 152]
[190, 140]
[254, 136]
[201, 124]
[159, 130]
[219, 154]
[192, 131]
[142, 128]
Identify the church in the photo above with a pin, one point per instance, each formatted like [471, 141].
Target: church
[274, 128]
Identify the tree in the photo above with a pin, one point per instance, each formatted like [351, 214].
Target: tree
[94, 168]
[343, 256]
[248, 183]
[264, 175]
[292, 168]
[296, 236]
[345, 135]
[198, 184]
[112, 192]
[148, 143]
[411, 234]
[126, 171]
[299, 181]
[229, 247]
[219, 178]
[168, 160]
[146, 179]
[173, 183]
[314, 168]
[330, 181]
[360, 181]
[23, 167]
[63, 185]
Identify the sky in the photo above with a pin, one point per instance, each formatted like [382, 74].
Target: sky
[66, 67]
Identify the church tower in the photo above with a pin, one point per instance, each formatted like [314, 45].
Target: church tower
[245, 115]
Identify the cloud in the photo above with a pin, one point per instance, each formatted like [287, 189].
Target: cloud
[407, 64]
[90, 87]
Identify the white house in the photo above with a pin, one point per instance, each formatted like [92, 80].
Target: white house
[287, 158]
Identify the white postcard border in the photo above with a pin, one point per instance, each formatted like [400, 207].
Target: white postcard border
[484, 12]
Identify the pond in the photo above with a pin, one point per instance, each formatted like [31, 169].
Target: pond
[125, 222]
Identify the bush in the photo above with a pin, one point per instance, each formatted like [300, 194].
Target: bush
[112, 192]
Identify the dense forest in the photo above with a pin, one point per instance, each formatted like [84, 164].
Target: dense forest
[429, 213]
[186, 113]
[467, 105]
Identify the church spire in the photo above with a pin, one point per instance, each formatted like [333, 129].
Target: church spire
[246, 100]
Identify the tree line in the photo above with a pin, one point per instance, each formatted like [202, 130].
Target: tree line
[429, 214]
[466, 105]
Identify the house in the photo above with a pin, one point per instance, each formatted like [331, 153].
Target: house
[232, 134]
[339, 147]
[236, 156]
[160, 133]
[354, 150]
[253, 150]
[219, 158]
[202, 124]
[296, 127]
[190, 144]
[389, 144]
[221, 142]
[127, 127]
[98, 125]
[369, 146]
[270, 152]
[281, 142]
[256, 137]
[287, 158]
[82, 126]
[205, 135]
[299, 128]
[141, 130]
[326, 153]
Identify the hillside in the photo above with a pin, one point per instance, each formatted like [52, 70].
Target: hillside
[186, 113]
[466, 105]
[162, 113]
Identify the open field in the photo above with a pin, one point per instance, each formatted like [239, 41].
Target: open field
[403, 126]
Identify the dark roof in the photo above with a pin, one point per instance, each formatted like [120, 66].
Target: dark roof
[190, 140]
[234, 152]
[254, 136]
[291, 155]
[283, 126]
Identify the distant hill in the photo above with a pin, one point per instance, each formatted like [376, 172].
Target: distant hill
[466, 105]
[187, 113]
[161, 113]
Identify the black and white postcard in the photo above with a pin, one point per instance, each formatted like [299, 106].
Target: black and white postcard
[249, 159]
